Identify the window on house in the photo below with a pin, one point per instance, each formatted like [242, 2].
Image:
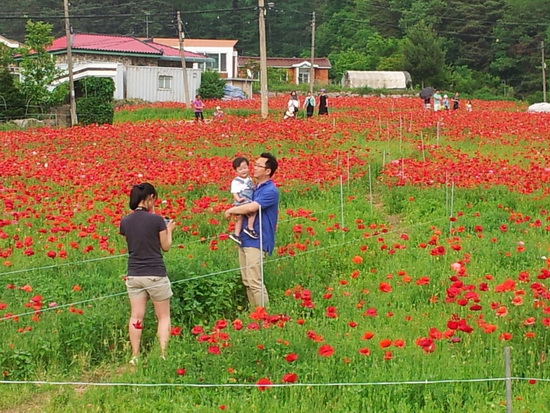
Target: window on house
[215, 65]
[165, 82]
[223, 62]
[303, 75]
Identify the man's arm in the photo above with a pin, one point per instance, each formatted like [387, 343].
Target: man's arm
[245, 209]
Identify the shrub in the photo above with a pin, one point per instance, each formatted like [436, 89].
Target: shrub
[211, 85]
[97, 104]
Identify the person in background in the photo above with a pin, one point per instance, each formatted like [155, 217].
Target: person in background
[198, 106]
[437, 100]
[266, 201]
[469, 106]
[456, 101]
[309, 104]
[427, 104]
[446, 103]
[242, 189]
[146, 235]
[323, 103]
[218, 114]
[293, 105]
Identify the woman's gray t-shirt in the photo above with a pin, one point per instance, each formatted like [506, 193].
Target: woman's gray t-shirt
[141, 230]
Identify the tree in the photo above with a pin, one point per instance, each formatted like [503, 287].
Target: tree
[517, 44]
[38, 69]
[423, 54]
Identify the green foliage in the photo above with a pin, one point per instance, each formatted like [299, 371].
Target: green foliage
[211, 85]
[466, 80]
[97, 104]
[423, 53]
[60, 94]
[38, 69]
[99, 87]
[348, 60]
[12, 102]
[94, 110]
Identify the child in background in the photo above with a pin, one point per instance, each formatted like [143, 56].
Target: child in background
[242, 189]
[446, 104]
[218, 114]
[198, 106]
[469, 106]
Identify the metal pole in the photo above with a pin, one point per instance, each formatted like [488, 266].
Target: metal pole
[183, 63]
[72, 100]
[260, 227]
[263, 59]
[312, 69]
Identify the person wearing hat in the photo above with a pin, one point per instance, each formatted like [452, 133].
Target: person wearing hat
[323, 103]
[446, 104]
[218, 114]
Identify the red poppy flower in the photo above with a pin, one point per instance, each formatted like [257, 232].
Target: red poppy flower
[290, 378]
[291, 357]
[326, 350]
[264, 383]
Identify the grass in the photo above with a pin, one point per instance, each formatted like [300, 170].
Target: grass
[371, 265]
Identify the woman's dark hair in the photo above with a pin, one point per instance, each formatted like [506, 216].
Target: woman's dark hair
[238, 161]
[270, 163]
[140, 193]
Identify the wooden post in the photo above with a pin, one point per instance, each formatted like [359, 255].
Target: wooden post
[72, 99]
[508, 375]
[263, 60]
[183, 63]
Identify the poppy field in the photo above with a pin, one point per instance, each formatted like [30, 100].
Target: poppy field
[412, 248]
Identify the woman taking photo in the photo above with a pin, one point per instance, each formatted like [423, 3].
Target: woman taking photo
[146, 235]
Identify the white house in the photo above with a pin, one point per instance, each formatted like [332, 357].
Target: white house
[140, 69]
[222, 52]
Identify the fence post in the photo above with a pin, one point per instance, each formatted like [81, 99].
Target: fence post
[508, 374]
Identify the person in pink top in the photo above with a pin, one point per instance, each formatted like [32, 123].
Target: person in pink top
[198, 106]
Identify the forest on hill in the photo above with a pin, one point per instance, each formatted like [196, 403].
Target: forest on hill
[493, 45]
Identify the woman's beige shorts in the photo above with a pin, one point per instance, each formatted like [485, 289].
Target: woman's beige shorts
[157, 288]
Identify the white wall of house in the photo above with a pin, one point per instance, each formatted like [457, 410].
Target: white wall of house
[114, 71]
[160, 84]
[225, 58]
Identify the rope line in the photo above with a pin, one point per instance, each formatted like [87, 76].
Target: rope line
[47, 267]
[354, 240]
[221, 385]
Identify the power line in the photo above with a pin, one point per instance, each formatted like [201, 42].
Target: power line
[115, 16]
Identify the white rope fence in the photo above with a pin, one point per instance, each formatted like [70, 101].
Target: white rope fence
[297, 255]
[220, 385]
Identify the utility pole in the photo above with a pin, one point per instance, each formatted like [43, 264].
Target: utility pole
[147, 25]
[68, 37]
[263, 59]
[183, 64]
[543, 73]
[312, 70]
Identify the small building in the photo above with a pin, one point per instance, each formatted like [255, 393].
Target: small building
[376, 79]
[140, 69]
[12, 44]
[222, 53]
[297, 70]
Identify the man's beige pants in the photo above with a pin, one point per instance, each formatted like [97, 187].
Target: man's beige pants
[251, 274]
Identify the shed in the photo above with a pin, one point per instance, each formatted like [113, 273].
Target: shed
[376, 79]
